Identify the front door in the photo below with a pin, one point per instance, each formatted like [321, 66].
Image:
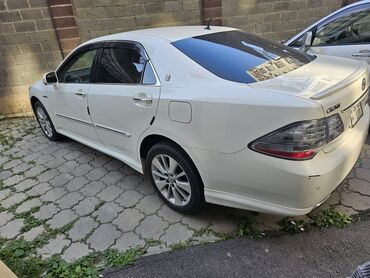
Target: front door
[123, 100]
[69, 96]
[345, 35]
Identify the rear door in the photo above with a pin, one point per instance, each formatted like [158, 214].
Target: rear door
[345, 34]
[123, 99]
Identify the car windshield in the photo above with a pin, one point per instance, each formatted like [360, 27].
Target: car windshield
[242, 57]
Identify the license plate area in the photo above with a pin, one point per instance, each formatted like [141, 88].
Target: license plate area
[356, 113]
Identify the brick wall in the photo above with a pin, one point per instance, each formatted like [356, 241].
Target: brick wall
[36, 34]
[102, 17]
[276, 19]
[28, 48]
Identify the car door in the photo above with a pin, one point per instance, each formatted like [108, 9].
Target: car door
[123, 99]
[69, 96]
[345, 34]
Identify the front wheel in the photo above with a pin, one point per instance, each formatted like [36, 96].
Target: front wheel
[175, 177]
[45, 122]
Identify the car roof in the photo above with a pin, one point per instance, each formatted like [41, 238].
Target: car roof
[292, 39]
[166, 33]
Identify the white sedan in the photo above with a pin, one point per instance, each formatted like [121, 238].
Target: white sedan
[344, 33]
[218, 116]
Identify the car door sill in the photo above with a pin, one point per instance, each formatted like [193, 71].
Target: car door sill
[125, 159]
[113, 130]
[74, 119]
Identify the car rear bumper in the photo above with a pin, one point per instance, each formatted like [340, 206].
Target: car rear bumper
[253, 181]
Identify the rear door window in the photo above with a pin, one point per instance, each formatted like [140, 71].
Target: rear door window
[242, 57]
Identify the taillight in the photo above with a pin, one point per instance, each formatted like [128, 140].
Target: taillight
[301, 140]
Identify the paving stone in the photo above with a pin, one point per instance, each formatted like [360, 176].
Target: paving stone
[81, 170]
[96, 174]
[61, 180]
[5, 217]
[13, 180]
[346, 210]
[38, 189]
[152, 250]
[47, 175]
[269, 221]
[46, 212]
[76, 251]
[169, 214]
[11, 229]
[21, 168]
[67, 167]
[127, 171]
[223, 224]
[73, 155]
[62, 218]
[197, 221]
[365, 163]
[356, 201]
[110, 193]
[82, 227]
[27, 205]
[103, 237]
[112, 178]
[55, 163]
[151, 227]
[55, 246]
[128, 220]
[33, 233]
[85, 158]
[86, 206]
[34, 171]
[76, 183]
[363, 173]
[25, 184]
[107, 212]
[359, 186]
[11, 164]
[13, 200]
[129, 198]
[92, 188]
[69, 200]
[5, 193]
[100, 161]
[127, 241]
[129, 182]
[149, 204]
[146, 188]
[113, 165]
[176, 233]
[54, 194]
[5, 175]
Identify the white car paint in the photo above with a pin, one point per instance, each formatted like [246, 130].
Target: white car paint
[348, 51]
[214, 120]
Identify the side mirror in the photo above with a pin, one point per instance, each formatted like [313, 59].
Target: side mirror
[307, 42]
[49, 78]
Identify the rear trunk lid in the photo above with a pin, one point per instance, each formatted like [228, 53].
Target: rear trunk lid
[338, 85]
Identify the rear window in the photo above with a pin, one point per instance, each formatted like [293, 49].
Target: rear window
[242, 57]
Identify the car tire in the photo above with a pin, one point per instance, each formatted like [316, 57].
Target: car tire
[175, 177]
[45, 122]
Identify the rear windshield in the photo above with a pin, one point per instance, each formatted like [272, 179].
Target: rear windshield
[242, 57]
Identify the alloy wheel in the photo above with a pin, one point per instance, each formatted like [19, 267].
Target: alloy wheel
[44, 121]
[171, 180]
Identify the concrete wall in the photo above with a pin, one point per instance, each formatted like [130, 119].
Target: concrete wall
[31, 44]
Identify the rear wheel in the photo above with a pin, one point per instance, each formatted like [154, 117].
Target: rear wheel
[175, 177]
[45, 122]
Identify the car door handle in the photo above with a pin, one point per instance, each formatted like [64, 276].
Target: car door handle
[362, 53]
[143, 99]
[80, 93]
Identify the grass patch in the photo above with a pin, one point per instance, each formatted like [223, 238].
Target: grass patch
[292, 226]
[331, 218]
[7, 141]
[179, 245]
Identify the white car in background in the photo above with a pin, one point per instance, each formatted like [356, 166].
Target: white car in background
[344, 33]
[213, 115]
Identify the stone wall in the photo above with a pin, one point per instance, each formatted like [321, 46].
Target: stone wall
[28, 48]
[36, 34]
[102, 17]
[278, 20]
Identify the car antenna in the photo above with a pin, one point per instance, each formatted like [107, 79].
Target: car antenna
[209, 24]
